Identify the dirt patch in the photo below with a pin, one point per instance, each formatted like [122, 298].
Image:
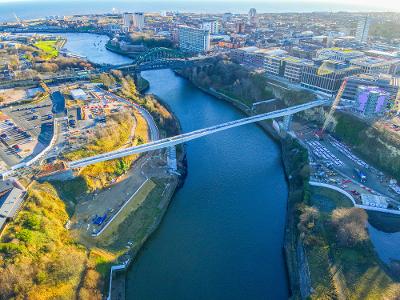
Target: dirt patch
[12, 95]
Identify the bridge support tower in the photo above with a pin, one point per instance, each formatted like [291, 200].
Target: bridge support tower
[287, 120]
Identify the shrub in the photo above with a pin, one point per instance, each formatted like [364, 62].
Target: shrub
[350, 225]
[32, 222]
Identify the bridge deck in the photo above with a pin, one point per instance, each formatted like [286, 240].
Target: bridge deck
[182, 138]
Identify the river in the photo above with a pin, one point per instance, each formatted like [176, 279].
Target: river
[92, 46]
[222, 235]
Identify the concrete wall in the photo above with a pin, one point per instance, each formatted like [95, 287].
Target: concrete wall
[343, 192]
[60, 176]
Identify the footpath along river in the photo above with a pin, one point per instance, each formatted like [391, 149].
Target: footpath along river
[222, 235]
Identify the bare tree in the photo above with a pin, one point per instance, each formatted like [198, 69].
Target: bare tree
[350, 225]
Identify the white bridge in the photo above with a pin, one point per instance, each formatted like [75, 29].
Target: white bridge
[182, 138]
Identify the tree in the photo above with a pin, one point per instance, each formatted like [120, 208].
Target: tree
[117, 73]
[107, 80]
[129, 88]
[350, 225]
[47, 67]
[307, 221]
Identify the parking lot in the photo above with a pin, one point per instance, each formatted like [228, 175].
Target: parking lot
[335, 156]
[347, 152]
[323, 153]
[24, 130]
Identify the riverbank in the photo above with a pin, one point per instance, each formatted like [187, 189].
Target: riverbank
[302, 261]
[140, 214]
[116, 50]
[118, 282]
[296, 189]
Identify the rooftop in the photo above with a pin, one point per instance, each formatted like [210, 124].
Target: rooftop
[11, 203]
[373, 61]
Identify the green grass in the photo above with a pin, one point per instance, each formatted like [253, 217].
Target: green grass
[69, 191]
[133, 221]
[38, 235]
[49, 47]
[361, 275]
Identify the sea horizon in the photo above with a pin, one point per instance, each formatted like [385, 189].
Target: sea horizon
[40, 9]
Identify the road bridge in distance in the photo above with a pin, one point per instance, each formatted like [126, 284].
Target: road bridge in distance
[182, 138]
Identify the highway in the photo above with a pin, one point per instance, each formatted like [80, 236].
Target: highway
[182, 138]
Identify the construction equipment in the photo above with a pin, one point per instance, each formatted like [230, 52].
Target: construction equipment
[46, 93]
[320, 133]
[44, 87]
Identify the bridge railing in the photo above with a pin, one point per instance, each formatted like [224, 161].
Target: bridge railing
[159, 144]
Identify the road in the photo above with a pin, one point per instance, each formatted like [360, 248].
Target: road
[154, 133]
[347, 162]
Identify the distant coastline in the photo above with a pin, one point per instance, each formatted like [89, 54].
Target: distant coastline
[40, 9]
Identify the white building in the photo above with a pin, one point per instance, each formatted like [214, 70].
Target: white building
[363, 29]
[193, 39]
[127, 22]
[211, 25]
[253, 16]
[138, 20]
[79, 94]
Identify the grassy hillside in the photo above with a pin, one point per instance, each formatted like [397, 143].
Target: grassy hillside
[112, 137]
[39, 259]
[50, 48]
[342, 261]
[295, 158]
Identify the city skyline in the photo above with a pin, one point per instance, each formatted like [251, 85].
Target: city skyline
[199, 150]
[262, 6]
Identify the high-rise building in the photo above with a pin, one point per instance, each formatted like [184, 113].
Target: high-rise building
[240, 27]
[371, 101]
[127, 22]
[211, 25]
[253, 16]
[384, 82]
[226, 17]
[363, 29]
[138, 20]
[194, 39]
[329, 40]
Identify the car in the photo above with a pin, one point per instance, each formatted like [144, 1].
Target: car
[16, 148]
